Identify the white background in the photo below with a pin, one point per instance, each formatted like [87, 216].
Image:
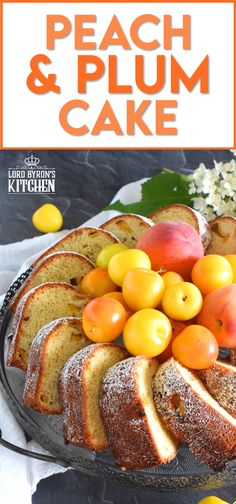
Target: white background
[31, 120]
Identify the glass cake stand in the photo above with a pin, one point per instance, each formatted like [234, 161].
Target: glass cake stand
[185, 472]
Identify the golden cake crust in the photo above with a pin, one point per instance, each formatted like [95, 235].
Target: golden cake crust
[74, 396]
[38, 362]
[127, 227]
[123, 412]
[84, 266]
[20, 317]
[71, 387]
[220, 381]
[86, 240]
[195, 418]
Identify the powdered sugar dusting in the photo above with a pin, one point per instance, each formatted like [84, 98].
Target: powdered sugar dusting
[37, 356]
[45, 331]
[123, 409]
[27, 303]
[72, 369]
[64, 253]
[220, 381]
[76, 264]
[74, 394]
[193, 416]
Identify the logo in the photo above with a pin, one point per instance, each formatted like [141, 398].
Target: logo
[31, 177]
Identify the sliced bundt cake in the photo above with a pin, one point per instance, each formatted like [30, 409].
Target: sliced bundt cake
[39, 306]
[179, 212]
[80, 383]
[87, 241]
[137, 435]
[69, 267]
[193, 416]
[223, 235]
[50, 349]
[127, 227]
[220, 381]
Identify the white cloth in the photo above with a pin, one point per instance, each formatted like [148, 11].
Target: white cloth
[20, 475]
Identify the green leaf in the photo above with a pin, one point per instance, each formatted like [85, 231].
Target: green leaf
[164, 189]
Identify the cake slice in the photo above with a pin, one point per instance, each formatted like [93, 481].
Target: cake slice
[220, 381]
[137, 435]
[223, 235]
[86, 240]
[50, 349]
[39, 306]
[193, 416]
[179, 212]
[80, 383]
[127, 227]
[69, 267]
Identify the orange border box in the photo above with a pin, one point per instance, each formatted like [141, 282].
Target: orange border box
[2, 2]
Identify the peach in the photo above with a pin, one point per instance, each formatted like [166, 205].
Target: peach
[172, 246]
[218, 315]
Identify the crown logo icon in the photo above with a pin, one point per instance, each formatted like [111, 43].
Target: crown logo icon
[31, 161]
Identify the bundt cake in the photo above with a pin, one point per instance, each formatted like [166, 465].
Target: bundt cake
[137, 435]
[179, 212]
[39, 306]
[51, 348]
[127, 227]
[223, 235]
[220, 381]
[69, 267]
[80, 383]
[193, 416]
[86, 240]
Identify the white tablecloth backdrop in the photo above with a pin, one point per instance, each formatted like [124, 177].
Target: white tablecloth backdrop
[20, 475]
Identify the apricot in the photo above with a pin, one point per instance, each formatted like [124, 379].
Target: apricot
[172, 246]
[177, 327]
[218, 315]
[196, 347]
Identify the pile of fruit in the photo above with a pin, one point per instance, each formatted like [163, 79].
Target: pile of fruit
[164, 296]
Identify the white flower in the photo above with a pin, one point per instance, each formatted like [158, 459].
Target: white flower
[192, 188]
[229, 207]
[214, 191]
[200, 204]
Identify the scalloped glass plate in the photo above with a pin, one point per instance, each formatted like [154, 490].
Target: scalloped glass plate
[183, 473]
